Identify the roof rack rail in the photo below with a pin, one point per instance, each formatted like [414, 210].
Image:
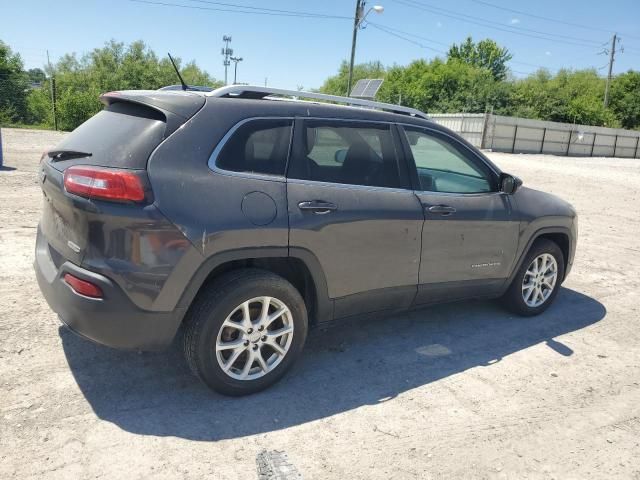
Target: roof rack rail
[256, 92]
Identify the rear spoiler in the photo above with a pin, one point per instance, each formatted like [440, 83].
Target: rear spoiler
[176, 106]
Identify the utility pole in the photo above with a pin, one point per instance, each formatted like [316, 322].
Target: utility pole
[358, 20]
[356, 26]
[612, 55]
[226, 53]
[53, 93]
[236, 60]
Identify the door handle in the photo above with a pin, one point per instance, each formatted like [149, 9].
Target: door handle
[441, 209]
[318, 207]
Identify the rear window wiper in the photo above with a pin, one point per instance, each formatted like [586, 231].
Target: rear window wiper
[57, 155]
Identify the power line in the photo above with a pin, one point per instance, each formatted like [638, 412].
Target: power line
[517, 62]
[402, 37]
[265, 9]
[520, 72]
[493, 24]
[403, 34]
[246, 11]
[549, 19]
[498, 26]
[375, 25]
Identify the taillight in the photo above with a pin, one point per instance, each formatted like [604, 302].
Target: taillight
[83, 287]
[104, 183]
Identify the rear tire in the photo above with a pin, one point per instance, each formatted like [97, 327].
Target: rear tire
[244, 331]
[537, 281]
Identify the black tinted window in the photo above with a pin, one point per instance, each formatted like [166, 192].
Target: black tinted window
[258, 146]
[353, 153]
[121, 135]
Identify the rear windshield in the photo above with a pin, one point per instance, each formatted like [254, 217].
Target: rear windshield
[121, 135]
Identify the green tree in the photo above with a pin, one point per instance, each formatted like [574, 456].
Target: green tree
[115, 66]
[39, 106]
[36, 75]
[569, 96]
[438, 87]
[14, 84]
[625, 99]
[484, 54]
[337, 84]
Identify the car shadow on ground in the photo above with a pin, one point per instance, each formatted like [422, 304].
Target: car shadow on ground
[342, 368]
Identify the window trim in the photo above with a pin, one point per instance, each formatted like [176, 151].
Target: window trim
[212, 163]
[401, 161]
[466, 151]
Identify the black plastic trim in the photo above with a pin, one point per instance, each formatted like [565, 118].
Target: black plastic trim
[537, 234]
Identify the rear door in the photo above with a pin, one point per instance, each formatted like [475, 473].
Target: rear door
[350, 206]
[470, 233]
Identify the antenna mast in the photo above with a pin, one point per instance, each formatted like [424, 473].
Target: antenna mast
[226, 53]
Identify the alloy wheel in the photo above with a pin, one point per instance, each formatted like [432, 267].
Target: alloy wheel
[254, 338]
[539, 280]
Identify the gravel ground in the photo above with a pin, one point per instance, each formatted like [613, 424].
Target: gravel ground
[455, 391]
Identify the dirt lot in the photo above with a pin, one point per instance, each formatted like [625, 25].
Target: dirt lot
[456, 391]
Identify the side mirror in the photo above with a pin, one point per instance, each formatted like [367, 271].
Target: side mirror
[340, 155]
[413, 138]
[509, 184]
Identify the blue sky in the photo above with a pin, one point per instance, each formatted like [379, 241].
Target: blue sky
[293, 51]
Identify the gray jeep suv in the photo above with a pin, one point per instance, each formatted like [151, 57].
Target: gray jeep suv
[240, 220]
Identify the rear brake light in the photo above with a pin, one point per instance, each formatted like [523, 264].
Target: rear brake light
[104, 183]
[83, 287]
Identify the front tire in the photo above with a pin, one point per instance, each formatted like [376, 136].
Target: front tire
[244, 331]
[537, 281]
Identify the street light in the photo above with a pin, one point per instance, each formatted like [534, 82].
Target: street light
[359, 18]
[235, 70]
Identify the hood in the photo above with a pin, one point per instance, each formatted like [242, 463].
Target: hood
[534, 203]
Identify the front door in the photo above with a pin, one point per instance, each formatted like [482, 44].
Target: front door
[350, 205]
[470, 233]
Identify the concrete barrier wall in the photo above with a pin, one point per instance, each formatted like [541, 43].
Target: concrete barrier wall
[471, 126]
[523, 135]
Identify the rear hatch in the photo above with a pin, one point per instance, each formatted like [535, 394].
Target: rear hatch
[122, 136]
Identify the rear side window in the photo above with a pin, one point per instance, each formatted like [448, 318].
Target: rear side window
[258, 146]
[121, 135]
[354, 153]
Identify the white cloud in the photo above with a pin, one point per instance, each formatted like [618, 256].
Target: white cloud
[515, 21]
[439, 24]
[547, 53]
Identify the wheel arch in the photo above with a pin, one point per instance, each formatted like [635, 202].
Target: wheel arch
[300, 267]
[561, 236]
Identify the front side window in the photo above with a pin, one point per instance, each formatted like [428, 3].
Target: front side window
[257, 146]
[353, 153]
[442, 167]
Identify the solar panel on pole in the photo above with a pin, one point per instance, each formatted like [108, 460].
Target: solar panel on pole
[372, 88]
[359, 87]
[366, 88]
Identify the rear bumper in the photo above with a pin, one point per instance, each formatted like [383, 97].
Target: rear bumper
[113, 320]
